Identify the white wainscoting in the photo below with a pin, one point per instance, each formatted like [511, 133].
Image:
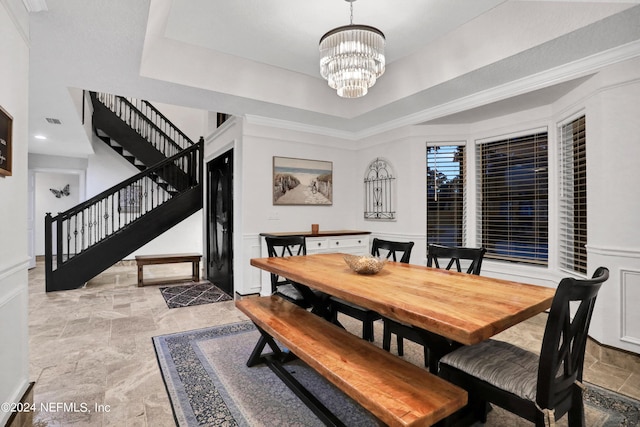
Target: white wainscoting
[630, 313]
[14, 300]
[616, 317]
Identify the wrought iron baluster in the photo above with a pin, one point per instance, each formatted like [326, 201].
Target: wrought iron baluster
[75, 234]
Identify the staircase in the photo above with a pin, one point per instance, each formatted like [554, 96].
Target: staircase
[90, 237]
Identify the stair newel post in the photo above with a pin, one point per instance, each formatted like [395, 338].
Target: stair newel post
[48, 252]
[59, 237]
[201, 160]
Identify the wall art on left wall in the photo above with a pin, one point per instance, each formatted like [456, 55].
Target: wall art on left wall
[6, 121]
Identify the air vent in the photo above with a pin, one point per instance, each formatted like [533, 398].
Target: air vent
[53, 121]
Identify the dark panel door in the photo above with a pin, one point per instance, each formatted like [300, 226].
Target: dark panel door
[220, 221]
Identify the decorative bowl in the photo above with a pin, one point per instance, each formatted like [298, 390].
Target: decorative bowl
[365, 264]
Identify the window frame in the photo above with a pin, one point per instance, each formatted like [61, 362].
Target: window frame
[572, 250]
[541, 245]
[460, 210]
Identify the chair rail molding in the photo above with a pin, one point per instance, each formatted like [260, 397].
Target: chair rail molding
[13, 269]
[614, 251]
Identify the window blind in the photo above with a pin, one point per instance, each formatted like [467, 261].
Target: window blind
[445, 194]
[512, 198]
[573, 196]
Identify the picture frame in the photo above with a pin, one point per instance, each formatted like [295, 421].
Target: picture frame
[302, 181]
[6, 125]
[130, 199]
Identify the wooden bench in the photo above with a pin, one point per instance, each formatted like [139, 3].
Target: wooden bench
[394, 390]
[194, 259]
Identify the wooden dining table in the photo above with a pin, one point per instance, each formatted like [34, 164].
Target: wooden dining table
[463, 308]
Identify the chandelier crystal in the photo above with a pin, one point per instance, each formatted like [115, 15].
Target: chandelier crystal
[352, 58]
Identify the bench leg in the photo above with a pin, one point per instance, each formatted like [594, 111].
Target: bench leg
[195, 271]
[321, 411]
[140, 276]
[256, 357]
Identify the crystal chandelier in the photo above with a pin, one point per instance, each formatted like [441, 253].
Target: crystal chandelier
[352, 58]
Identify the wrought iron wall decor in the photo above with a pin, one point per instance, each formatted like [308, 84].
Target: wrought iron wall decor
[379, 189]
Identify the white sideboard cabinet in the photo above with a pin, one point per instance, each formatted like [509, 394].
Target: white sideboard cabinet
[345, 241]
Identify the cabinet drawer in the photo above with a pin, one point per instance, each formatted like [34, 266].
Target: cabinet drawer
[316, 244]
[347, 243]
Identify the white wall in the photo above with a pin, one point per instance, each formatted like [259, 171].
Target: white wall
[14, 355]
[254, 148]
[260, 144]
[404, 150]
[46, 201]
[613, 167]
[189, 120]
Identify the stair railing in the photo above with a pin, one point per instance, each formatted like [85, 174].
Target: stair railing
[150, 123]
[87, 224]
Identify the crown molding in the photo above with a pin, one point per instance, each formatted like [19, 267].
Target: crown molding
[560, 74]
[299, 127]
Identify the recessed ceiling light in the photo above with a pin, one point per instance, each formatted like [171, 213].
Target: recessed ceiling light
[40, 137]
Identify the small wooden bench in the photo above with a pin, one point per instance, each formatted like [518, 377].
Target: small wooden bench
[194, 259]
[394, 390]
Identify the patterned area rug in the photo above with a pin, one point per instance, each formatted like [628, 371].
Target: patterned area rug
[209, 384]
[203, 292]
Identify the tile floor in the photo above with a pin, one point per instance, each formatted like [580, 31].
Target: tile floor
[92, 347]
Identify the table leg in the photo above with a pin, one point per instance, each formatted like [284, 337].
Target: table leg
[438, 347]
[319, 303]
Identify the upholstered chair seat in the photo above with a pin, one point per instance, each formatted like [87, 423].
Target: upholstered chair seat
[500, 364]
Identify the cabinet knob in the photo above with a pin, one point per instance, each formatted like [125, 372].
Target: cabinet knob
[337, 243]
[319, 244]
[359, 241]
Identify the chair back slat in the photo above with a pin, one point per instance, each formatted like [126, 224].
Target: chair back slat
[396, 251]
[455, 255]
[565, 338]
[282, 246]
[286, 245]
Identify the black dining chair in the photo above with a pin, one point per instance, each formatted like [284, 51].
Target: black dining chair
[395, 251]
[282, 246]
[540, 388]
[436, 254]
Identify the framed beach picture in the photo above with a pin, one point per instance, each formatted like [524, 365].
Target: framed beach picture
[6, 122]
[302, 181]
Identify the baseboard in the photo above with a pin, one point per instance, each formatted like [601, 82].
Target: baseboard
[240, 296]
[612, 356]
[124, 262]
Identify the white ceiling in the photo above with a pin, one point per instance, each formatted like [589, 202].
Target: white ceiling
[446, 59]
